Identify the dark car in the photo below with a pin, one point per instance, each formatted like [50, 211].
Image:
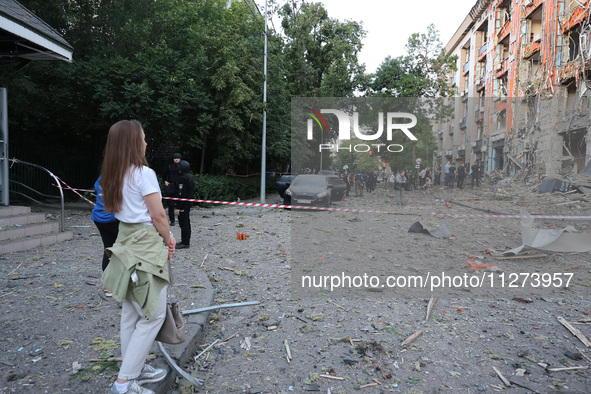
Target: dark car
[339, 187]
[283, 183]
[309, 190]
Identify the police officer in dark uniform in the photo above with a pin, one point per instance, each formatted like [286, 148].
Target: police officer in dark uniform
[171, 176]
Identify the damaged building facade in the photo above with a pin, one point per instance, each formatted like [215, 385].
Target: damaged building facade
[524, 83]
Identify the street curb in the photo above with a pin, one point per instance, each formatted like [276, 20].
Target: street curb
[185, 351]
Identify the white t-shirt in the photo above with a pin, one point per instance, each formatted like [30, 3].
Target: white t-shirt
[138, 182]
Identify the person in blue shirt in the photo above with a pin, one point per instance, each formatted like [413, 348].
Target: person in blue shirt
[105, 222]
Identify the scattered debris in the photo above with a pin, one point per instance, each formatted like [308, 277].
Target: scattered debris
[522, 382]
[500, 375]
[203, 261]
[435, 230]
[567, 368]
[563, 240]
[206, 349]
[412, 338]
[245, 343]
[555, 185]
[322, 375]
[575, 331]
[288, 351]
[522, 256]
[476, 266]
[430, 305]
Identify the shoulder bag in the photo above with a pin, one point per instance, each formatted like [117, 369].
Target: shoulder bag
[173, 328]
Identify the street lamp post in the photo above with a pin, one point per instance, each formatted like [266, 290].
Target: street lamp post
[264, 140]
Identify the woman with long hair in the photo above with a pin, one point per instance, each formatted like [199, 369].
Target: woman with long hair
[138, 272]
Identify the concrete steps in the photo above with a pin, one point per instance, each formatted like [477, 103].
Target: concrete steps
[22, 230]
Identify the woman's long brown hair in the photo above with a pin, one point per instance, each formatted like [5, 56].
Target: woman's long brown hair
[123, 151]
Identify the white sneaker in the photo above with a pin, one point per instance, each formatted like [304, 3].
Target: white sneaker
[150, 374]
[133, 388]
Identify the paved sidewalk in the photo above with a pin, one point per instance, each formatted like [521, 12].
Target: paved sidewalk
[57, 328]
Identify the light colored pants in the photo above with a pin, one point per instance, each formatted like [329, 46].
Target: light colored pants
[137, 335]
[399, 196]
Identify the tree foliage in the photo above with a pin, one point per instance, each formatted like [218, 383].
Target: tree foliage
[420, 77]
[421, 72]
[322, 51]
[192, 72]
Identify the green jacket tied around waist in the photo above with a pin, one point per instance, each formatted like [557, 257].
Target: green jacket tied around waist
[139, 249]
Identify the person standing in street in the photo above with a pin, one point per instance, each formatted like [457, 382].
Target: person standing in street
[170, 176]
[399, 187]
[461, 176]
[359, 184]
[138, 273]
[437, 177]
[185, 190]
[447, 167]
[106, 223]
[452, 175]
[475, 175]
[422, 175]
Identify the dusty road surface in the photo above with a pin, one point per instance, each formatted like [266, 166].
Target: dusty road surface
[342, 308]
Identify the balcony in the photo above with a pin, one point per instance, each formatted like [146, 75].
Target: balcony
[448, 153]
[478, 146]
[466, 67]
[504, 32]
[479, 116]
[440, 134]
[464, 96]
[482, 52]
[463, 122]
[575, 18]
[451, 129]
[480, 84]
[568, 71]
[531, 50]
[461, 151]
[502, 68]
[530, 6]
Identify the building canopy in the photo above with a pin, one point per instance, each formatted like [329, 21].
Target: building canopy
[24, 37]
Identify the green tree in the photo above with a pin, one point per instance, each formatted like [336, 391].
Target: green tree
[420, 77]
[422, 72]
[357, 161]
[323, 51]
[191, 71]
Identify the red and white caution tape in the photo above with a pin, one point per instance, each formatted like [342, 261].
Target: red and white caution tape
[310, 208]
[313, 208]
[74, 190]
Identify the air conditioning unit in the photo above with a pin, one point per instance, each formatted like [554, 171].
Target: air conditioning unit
[537, 37]
[527, 2]
[462, 94]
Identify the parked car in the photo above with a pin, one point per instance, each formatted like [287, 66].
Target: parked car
[327, 172]
[339, 187]
[308, 189]
[283, 183]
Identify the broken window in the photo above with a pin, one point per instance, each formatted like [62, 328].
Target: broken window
[574, 150]
[573, 45]
[534, 25]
